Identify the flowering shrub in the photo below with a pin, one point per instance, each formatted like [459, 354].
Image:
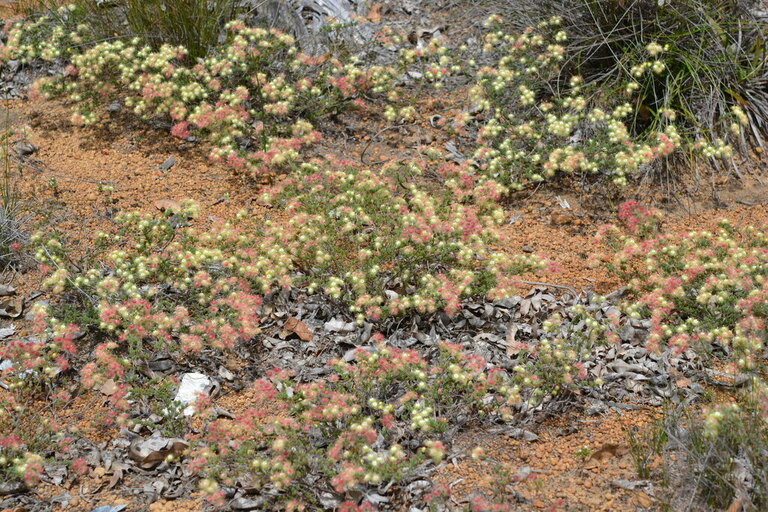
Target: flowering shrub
[638, 220]
[254, 98]
[194, 24]
[554, 364]
[724, 451]
[168, 289]
[536, 126]
[28, 435]
[369, 424]
[701, 290]
[386, 249]
[36, 363]
[693, 59]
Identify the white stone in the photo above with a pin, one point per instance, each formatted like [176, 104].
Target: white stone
[192, 385]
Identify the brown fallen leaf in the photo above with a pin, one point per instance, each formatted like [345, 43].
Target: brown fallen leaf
[109, 387]
[604, 453]
[11, 306]
[167, 205]
[642, 500]
[512, 349]
[374, 13]
[735, 506]
[150, 452]
[299, 328]
[117, 474]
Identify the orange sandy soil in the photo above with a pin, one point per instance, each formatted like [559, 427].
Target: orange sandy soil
[559, 479]
[127, 155]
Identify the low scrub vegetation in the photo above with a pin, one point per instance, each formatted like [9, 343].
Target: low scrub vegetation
[386, 245]
[693, 60]
[703, 291]
[402, 248]
[256, 97]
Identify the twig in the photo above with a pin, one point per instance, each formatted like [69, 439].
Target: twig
[551, 285]
[365, 149]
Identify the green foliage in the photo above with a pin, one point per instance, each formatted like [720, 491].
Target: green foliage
[701, 290]
[156, 398]
[724, 450]
[370, 424]
[29, 434]
[253, 97]
[198, 25]
[645, 444]
[713, 53]
[387, 248]
[536, 123]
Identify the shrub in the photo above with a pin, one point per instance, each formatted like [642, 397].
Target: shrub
[366, 427]
[711, 52]
[31, 7]
[197, 25]
[536, 124]
[701, 290]
[723, 452]
[254, 97]
[30, 435]
[168, 289]
[386, 248]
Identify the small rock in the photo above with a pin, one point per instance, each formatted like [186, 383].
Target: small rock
[246, 504]
[225, 374]
[169, 162]
[519, 433]
[192, 385]
[167, 205]
[9, 488]
[642, 500]
[558, 219]
[24, 148]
